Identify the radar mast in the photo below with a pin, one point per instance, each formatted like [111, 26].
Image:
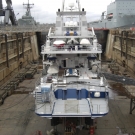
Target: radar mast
[28, 6]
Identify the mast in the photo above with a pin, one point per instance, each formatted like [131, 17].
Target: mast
[79, 7]
[63, 3]
[28, 7]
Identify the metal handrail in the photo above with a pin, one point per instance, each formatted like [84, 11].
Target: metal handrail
[75, 86]
[68, 48]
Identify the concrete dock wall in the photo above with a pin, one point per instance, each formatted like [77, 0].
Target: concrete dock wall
[121, 48]
[22, 49]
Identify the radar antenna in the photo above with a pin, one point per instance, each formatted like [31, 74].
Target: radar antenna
[28, 7]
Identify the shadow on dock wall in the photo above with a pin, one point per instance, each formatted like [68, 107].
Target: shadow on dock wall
[41, 39]
[102, 38]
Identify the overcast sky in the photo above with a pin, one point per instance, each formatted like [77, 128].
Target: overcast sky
[44, 11]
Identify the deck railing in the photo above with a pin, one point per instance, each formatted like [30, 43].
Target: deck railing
[68, 48]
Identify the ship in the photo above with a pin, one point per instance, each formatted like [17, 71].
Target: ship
[120, 14]
[72, 89]
[27, 19]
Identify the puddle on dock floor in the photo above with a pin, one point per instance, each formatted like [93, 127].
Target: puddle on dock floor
[116, 89]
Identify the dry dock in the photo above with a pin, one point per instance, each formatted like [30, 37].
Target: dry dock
[17, 116]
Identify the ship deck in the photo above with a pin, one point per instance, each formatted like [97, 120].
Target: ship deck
[17, 115]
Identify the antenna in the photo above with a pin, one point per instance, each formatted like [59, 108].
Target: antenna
[63, 4]
[78, 4]
[28, 7]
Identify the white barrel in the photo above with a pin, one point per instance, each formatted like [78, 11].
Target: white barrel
[71, 23]
[75, 23]
[85, 42]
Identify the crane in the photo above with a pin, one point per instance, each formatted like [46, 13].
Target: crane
[8, 13]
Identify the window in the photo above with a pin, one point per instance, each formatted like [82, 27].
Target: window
[110, 16]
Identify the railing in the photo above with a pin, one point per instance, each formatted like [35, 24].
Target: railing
[67, 48]
[71, 86]
[38, 81]
[38, 97]
[77, 85]
[40, 104]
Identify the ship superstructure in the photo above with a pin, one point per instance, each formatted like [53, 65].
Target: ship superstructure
[120, 13]
[71, 85]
